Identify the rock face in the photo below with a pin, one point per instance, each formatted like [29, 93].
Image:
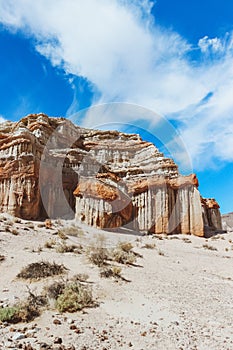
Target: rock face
[108, 179]
[227, 222]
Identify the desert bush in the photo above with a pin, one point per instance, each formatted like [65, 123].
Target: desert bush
[7, 228]
[99, 256]
[209, 247]
[125, 246]
[30, 225]
[186, 240]
[65, 248]
[61, 234]
[55, 289]
[97, 253]
[123, 253]
[17, 220]
[38, 249]
[149, 246]
[159, 237]
[73, 231]
[112, 271]
[2, 257]
[14, 231]
[74, 297]
[50, 243]
[41, 269]
[31, 308]
[24, 311]
[81, 277]
[122, 257]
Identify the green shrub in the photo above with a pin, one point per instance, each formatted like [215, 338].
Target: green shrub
[7, 314]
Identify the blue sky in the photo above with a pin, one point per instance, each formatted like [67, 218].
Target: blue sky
[173, 57]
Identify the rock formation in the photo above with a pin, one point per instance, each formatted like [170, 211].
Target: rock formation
[227, 222]
[108, 179]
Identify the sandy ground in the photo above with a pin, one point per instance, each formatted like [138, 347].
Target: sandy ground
[179, 295]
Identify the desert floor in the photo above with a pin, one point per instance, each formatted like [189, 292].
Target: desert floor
[178, 294]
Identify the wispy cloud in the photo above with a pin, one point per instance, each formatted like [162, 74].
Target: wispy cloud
[117, 46]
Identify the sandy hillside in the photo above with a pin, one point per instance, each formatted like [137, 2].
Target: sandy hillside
[176, 295]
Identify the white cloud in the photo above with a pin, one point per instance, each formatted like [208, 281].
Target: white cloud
[119, 49]
[207, 44]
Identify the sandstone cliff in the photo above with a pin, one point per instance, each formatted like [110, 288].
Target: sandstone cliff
[107, 179]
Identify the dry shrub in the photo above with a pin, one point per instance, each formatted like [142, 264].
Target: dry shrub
[61, 234]
[65, 248]
[112, 271]
[24, 311]
[50, 244]
[149, 246]
[41, 269]
[209, 247]
[98, 254]
[14, 231]
[30, 225]
[7, 228]
[123, 253]
[17, 220]
[186, 240]
[2, 257]
[74, 297]
[55, 289]
[81, 277]
[73, 231]
[31, 308]
[125, 246]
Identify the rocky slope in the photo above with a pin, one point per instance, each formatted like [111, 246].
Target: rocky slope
[107, 179]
